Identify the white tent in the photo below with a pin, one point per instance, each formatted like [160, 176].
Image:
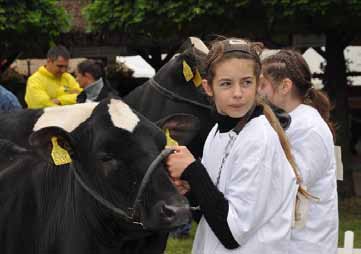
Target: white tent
[140, 67]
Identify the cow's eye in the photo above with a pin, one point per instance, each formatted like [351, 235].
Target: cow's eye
[107, 163]
[105, 157]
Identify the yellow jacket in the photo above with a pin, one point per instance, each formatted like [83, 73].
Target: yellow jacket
[43, 86]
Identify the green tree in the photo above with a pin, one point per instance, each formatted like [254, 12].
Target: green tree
[155, 27]
[30, 25]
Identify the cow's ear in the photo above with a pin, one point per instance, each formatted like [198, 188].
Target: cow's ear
[182, 127]
[53, 142]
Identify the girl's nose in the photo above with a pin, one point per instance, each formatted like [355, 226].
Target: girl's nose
[237, 91]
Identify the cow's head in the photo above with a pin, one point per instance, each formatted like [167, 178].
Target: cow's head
[111, 150]
[181, 90]
[182, 75]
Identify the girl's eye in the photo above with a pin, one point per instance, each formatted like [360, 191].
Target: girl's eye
[247, 83]
[225, 83]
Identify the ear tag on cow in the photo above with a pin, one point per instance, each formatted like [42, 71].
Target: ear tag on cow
[60, 155]
[197, 80]
[170, 140]
[187, 71]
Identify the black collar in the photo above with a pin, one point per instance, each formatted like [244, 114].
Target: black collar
[227, 123]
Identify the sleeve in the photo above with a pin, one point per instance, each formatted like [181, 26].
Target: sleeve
[9, 102]
[249, 188]
[35, 95]
[311, 156]
[66, 99]
[212, 202]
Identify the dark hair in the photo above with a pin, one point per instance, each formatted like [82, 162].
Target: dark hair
[58, 51]
[92, 67]
[291, 64]
[222, 49]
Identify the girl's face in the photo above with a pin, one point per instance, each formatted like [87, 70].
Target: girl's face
[234, 86]
[271, 91]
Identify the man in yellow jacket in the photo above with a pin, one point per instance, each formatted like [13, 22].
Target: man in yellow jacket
[51, 84]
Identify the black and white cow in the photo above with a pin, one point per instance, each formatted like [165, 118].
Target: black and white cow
[176, 89]
[86, 205]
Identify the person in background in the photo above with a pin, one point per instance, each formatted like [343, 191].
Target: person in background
[90, 75]
[52, 85]
[8, 101]
[286, 83]
[246, 183]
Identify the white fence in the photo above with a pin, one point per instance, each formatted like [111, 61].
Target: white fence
[348, 245]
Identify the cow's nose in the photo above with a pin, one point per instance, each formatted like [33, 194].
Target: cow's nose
[169, 211]
[176, 215]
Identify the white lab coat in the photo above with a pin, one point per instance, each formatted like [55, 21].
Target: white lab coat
[260, 186]
[313, 149]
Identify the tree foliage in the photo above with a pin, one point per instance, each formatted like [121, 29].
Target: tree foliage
[166, 18]
[28, 23]
[316, 16]
[170, 18]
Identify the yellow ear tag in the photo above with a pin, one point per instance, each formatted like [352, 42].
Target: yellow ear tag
[60, 155]
[197, 80]
[187, 71]
[170, 140]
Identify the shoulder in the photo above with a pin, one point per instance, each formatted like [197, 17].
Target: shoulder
[68, 76]
[258, 134]
[36, 77]
[308, 124]
[307, 115]
[3, 90]
[5, 93]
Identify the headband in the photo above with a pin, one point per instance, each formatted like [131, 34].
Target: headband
[235, 45]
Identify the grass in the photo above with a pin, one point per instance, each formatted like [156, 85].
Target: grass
[350, 219]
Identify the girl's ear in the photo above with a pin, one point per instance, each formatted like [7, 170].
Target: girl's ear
[88, 75]
[286, 86]
[207, 88]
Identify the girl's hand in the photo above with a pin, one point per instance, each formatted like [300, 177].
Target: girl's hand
[179, 160]
[182, 186]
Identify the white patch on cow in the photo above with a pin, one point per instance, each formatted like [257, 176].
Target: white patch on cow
[66, 117]
[122, 116]
[198, 44]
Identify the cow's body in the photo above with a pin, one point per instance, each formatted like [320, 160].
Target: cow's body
[169, 92]
[44, 209]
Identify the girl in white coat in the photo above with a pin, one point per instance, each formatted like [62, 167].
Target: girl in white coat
[286, 82]
[245, 185]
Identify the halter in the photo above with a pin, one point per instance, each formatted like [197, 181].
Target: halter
[129, 213]
[169, 94]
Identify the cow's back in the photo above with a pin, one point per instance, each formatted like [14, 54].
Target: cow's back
[18, 125]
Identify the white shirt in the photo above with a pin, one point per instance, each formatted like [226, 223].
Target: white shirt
[313, 149]
[260, 186]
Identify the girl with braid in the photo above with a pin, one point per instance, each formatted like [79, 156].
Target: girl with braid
[246, 183]
[286, 83]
